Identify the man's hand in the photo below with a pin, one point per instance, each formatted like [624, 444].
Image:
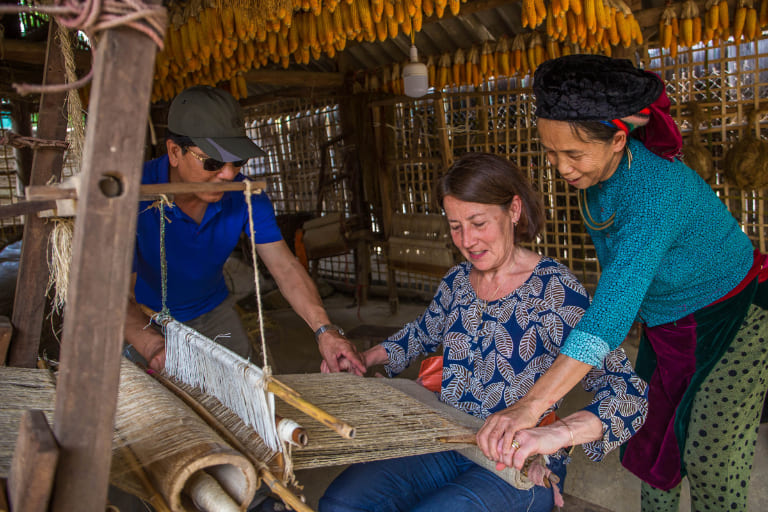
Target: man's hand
[153, 351]
[339, 354]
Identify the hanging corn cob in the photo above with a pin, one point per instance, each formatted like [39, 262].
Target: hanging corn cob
[750, 23]
[458, 72]
[473, 61]
[444, 67]
[668, 28]
[690, 24]
[745, 21]
[206, 44]
[202, 32]
[503, 57]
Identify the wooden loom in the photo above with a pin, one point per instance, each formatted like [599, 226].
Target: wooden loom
[162, 445]
[170, 462]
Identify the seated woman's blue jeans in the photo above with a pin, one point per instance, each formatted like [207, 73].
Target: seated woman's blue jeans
[439, 482]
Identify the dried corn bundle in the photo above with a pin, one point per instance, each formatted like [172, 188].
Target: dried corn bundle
[690, 24]
[669, 29]
[746, 163]
[695, 154]
[215, 41]
[716, 21]
[745, 21]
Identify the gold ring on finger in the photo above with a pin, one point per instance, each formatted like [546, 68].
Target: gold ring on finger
[515, 444]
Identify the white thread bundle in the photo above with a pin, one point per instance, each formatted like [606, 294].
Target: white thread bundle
[238, 384]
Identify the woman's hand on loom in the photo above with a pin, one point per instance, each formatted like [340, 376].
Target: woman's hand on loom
[534, 441]
[339, 354]
[498, 432]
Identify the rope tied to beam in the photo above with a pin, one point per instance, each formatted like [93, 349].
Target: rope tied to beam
[17, 141]
[93, 17]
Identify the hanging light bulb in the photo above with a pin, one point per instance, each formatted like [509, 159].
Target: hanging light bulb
[415, 75]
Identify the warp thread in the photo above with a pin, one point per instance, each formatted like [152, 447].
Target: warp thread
[239, 385]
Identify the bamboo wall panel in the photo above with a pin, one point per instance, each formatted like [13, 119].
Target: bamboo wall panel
[295, 133]
[726, 80]
[10, 186]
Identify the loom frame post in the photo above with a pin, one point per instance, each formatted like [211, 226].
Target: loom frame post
[92, 339]
[29, 299]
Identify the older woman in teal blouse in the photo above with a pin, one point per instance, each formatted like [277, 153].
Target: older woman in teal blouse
[673, 258]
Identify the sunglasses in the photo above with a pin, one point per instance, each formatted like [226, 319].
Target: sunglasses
[213, 165]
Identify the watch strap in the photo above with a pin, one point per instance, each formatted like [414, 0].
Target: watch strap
[328, 327]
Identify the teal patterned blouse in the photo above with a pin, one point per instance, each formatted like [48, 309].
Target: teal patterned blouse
[494, 351]
[673, 248]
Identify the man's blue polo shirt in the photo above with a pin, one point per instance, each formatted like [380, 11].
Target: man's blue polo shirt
[195, 254]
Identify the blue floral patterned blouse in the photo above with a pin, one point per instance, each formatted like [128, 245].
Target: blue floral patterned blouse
[493, 352]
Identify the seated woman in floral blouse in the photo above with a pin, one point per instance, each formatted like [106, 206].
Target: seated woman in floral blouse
[501, 317]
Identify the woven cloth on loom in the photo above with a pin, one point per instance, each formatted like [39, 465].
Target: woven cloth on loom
[392, 418]
[21, 389]
[389, 423]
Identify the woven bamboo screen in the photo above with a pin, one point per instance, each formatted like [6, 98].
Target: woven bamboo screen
[497, 119]
[296, 135]
[726, 80]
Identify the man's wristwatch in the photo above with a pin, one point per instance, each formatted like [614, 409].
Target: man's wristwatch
[327, 327]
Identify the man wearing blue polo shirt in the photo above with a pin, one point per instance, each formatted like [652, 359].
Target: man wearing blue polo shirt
[207, 143]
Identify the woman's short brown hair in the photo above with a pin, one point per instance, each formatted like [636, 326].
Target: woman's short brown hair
[489, 179]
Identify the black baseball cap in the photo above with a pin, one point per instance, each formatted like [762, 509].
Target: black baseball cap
[213, 119]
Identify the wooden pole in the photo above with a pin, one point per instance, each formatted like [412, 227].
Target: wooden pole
[6, 331]
[102, 248]
[34, 464]
[22, 125]
[32, 279]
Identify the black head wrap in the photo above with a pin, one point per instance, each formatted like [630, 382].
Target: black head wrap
[592, 88]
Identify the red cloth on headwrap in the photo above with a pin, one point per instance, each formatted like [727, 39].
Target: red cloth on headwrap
[661, 135]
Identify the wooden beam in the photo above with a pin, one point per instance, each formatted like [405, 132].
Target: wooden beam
[102, 250]
[146, 192]
[6, 330]
[25, 208]
[33, 53]
[294, 78]
[32, 279]
[34, 464]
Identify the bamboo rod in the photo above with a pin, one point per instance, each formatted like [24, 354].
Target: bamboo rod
[294, 399]
[463, 438]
